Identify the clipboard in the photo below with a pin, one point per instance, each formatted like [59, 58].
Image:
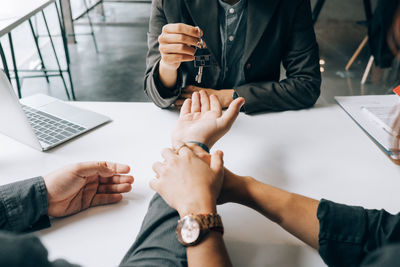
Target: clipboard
[355, 107]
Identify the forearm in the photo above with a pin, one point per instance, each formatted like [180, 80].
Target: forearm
[23, 205]
[289, 94]
[295, 213]
[210, 252]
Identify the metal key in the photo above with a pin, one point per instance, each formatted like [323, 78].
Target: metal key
[201, 59]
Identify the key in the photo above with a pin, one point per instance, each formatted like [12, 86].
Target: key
[202, 58]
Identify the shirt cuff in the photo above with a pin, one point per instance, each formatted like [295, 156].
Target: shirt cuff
[24, 205]
[341, 235]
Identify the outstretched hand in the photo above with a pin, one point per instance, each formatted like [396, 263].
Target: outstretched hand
[83, 185]
[201, 119]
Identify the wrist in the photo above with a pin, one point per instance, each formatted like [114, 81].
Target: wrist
[239, 189]
[198, 207]
[168, 74]
[226, 97]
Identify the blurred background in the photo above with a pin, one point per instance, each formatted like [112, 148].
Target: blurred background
[115, 72]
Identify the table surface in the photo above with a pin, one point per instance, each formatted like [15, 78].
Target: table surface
[319, 152]
[15, 12]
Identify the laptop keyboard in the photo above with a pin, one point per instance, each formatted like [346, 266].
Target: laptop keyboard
[50, 129]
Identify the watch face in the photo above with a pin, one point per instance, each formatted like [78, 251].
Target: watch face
[190, 230]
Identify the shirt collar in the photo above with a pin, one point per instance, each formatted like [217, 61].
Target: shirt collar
[238, 7]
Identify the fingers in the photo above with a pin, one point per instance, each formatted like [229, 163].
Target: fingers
[195, 102]
[217, 162]
[154, 184]
[185, 107]
[114, 188]
[215, 105]
[104, 169]
[104, 199]
[205, 101]
[171, 59]
[157, 168]
[185, 152]
[181, 28]
[117, 179]
[168, 154]
[171, 38]
[181, 49]
[232, 112]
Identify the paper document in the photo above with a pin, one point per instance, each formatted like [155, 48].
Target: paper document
[375, 114]
[384, 116]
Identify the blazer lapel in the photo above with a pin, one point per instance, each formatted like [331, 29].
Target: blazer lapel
[259, 14]
[205, 15]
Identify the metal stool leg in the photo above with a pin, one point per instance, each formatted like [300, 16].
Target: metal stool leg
[38, 50]
[66, 51]
[367, 70]
[55, 54]
[91, 26]
[3, 59]
[15, 65]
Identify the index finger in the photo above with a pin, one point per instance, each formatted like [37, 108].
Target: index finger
[182, 29]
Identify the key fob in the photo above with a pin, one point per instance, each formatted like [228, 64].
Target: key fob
[202, 58]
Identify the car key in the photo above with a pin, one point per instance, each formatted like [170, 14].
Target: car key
[201, 59]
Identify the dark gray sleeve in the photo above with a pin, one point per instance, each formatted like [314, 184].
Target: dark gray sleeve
[163, 97]
[386, 256]
[25, 251]
[301, 88]
[348, 234]
[23, 206]
[157, 244]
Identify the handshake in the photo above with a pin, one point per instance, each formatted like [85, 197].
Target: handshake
[190, 180]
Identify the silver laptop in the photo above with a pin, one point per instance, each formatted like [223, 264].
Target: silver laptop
[41, 121]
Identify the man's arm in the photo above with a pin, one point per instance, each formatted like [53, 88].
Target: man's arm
[344, 235]
[168, 46]
[23, 206]
[25, 250]
[301, 88]
[190, 186]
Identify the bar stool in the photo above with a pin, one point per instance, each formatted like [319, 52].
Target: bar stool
[46, 72]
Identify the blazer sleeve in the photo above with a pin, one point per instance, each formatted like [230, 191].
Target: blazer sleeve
[349, 235]
[301, 88]
[162, 96]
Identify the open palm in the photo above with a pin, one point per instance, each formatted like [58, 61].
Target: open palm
[80, 186]
[201, 119]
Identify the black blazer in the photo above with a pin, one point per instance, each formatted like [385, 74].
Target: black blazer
[278, 31]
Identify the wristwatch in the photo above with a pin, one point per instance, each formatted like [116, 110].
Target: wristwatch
[192, 229]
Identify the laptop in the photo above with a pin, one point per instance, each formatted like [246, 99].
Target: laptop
[41, 121]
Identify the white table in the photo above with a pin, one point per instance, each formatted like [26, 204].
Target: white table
[318, 153]
[14, 12]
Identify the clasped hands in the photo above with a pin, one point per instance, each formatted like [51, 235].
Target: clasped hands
[190, 180]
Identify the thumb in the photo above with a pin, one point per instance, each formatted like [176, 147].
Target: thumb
[232, 112]
[154, 185]
[217, 162]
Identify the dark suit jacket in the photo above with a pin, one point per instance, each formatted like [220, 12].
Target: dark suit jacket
[277, 31]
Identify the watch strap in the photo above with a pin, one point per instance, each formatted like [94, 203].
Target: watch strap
[212, 222]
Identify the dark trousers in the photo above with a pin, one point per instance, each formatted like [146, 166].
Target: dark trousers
[156, 243]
